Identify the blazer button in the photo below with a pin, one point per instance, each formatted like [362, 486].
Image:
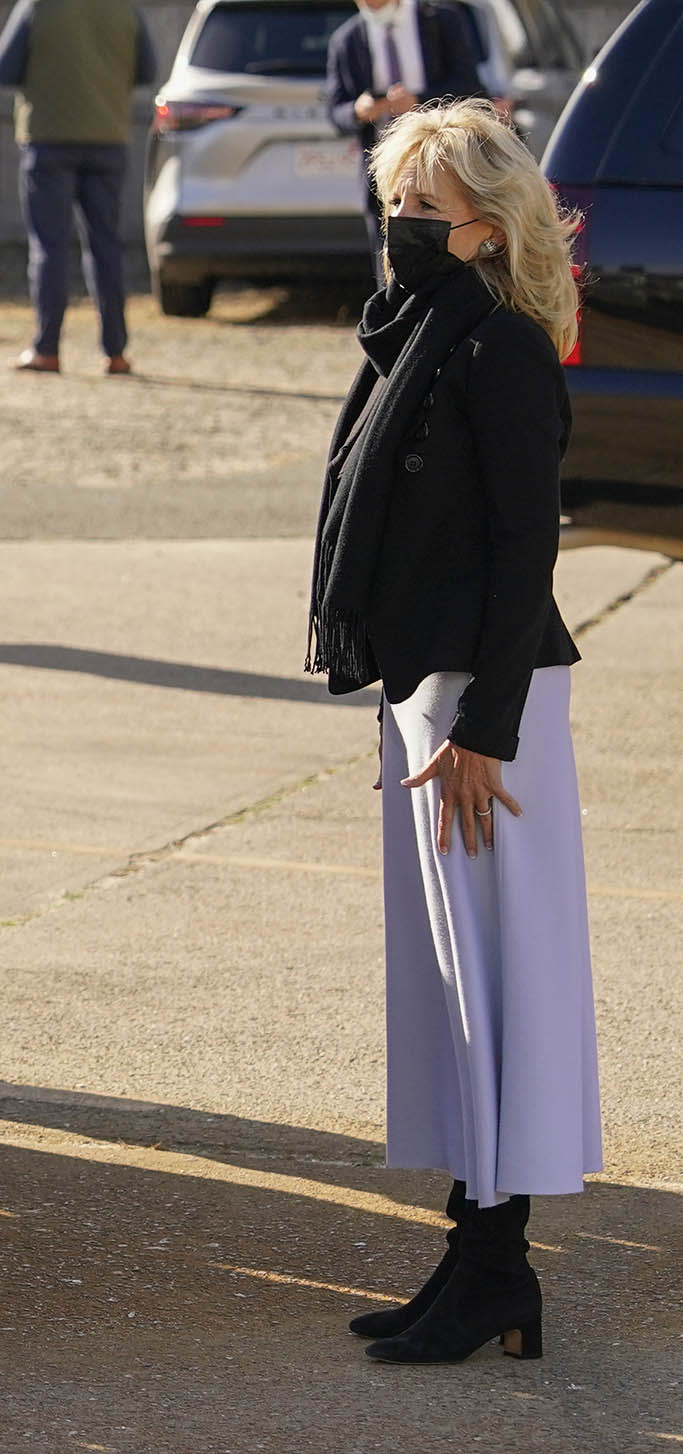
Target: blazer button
[413, 463]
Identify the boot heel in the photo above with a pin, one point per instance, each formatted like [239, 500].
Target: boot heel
[524, 1342]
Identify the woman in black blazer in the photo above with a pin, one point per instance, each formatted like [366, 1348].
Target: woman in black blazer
[436, 544]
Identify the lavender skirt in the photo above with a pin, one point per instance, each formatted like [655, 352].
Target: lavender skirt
[491, 1056]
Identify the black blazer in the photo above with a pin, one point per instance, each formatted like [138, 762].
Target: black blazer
[464, 581]
[446, 52]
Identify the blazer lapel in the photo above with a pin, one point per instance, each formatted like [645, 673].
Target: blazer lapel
[362, 60]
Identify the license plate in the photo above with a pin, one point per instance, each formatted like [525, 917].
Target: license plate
[327, 159]
[289, 113]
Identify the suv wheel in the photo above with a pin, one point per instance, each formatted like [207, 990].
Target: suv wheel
[184, 300]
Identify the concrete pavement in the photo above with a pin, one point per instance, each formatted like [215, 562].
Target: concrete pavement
[193, 1198]
[193, 1189]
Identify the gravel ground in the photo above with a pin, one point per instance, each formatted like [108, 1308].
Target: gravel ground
[221, 432]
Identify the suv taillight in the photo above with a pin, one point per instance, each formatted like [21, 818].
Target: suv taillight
[575, 357]
[188, 115]
[578, 197]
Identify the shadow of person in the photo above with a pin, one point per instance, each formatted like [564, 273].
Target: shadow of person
[181, 676]
[152, 1302]
[324, 1155]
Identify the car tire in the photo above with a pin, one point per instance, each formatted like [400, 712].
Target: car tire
[184, 300]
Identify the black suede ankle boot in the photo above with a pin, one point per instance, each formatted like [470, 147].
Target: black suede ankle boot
[492, 1292]
[390, 1321]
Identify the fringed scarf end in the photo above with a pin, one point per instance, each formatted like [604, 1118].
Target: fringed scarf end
[314, 661]
[341, 646]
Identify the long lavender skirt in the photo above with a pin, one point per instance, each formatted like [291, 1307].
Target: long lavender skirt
[492, 1067]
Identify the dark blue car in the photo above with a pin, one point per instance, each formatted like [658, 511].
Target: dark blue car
[617, 153]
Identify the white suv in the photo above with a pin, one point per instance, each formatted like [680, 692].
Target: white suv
[245, 173]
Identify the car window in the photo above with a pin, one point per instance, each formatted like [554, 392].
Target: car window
[269, 40]
[643, 148]
[673, 136]
[569, 39]
[584, 143]
[550, 42]
[513, 33]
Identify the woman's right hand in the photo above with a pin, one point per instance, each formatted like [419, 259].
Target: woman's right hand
[468, 781]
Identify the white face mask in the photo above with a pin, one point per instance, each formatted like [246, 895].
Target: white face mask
[385, 15]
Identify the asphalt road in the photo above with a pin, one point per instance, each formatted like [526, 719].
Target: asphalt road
[193, 1196]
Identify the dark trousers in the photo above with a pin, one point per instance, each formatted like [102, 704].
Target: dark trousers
[55, 182]
[376, 240]
[373, 222]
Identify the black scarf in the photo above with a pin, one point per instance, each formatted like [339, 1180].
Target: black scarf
[406, 342]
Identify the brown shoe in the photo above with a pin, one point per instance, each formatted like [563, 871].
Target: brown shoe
[37, 363]
[117, 365]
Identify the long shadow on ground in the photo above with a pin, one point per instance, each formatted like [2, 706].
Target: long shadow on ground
[180, 675]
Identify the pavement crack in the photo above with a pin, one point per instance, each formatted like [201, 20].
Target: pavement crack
[138, 862]
[257, 391]
[654, 574]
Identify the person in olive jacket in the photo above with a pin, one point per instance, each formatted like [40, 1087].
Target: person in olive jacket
[74, 64]
[433, 572]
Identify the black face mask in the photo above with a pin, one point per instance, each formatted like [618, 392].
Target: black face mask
[417, 248]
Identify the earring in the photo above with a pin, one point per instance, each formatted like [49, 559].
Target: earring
[488, 247]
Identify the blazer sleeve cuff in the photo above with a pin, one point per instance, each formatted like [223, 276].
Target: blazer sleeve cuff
[485, 740]
[343, 117]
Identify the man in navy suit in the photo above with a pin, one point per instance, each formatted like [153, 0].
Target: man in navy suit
[392, 56]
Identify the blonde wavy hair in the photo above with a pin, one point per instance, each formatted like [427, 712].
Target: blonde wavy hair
[467, 143]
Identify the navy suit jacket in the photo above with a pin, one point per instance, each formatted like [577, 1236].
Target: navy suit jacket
[447, 57]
